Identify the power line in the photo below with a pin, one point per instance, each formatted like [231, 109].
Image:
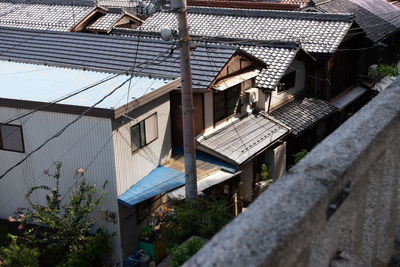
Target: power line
[69, 124]
[61, 99]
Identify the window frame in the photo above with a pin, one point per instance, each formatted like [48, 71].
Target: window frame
[22, 138]
[280, 88]
[225, 93]
[143, 122]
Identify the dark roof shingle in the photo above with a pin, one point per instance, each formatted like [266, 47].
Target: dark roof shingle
[243, 139]
[300, 114]
[115, 54]
[376, 17]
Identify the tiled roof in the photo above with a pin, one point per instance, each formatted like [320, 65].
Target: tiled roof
[116, 3]
[277, 55]
[278, 60]
[104, 23]
[300, 114]
[302, 3]
[38, 16]
[243, 139]
[319, 33]
[376, 17]
[115, 54]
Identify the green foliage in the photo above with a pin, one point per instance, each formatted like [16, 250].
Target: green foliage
[182, 253]
[264, 172]
[18, 255]
[299, 155]
[95, 248]
[59, 228]
[385, 70]
[202, 218]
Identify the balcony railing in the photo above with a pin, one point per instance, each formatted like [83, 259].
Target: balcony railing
[337, 207]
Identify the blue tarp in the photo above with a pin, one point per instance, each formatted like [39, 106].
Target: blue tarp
[160, 180]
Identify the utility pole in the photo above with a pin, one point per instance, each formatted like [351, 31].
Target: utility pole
[189, 146]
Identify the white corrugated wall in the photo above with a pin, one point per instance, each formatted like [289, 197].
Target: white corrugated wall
[86, 144]
[132, 167]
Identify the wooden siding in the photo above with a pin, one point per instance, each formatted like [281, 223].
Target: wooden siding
[132, 167]
[86, 141]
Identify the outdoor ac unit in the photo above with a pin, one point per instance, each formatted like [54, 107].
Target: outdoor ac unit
[251, 96]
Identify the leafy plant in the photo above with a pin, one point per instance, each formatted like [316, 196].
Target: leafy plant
[299, 155]
[385, 70]
[95, 248]
[182, 253]
[264, 172]
[202, 218]
[59, 228]
[19, 255]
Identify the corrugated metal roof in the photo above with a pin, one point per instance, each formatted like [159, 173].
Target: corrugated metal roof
[160, 180]
[381, 8]
[111, 53]
[376, 17]
[45, 84]
[348, 97]
[319, 33]
[39, 16]
[300, 114]
[243, 139]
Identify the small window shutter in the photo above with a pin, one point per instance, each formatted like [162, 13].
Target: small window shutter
[11, 138]
[151, 125]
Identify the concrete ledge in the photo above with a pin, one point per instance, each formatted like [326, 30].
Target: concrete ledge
[288, 225]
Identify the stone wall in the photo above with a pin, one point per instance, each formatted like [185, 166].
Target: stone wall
[336, 207]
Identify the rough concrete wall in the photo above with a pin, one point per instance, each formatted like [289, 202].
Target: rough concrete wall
[337, 207]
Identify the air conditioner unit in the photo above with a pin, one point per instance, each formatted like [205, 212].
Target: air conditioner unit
[251, 96]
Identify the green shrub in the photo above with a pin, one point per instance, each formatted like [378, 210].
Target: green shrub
[59, 229]
[202, 218]
[18, 255]
[385, 70]
[93, 252]
[182, 253]
[299, 155]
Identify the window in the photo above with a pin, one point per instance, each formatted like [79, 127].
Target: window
[11, 138]
[287, 81]
[226, 102]
[144, 132]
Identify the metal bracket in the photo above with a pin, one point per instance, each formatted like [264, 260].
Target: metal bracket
[338, 200]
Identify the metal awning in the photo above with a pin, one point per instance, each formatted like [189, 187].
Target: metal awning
[171, 175]
[234, 80]
[207, 182]
[347, 98]
[160, 180]
[244, 139]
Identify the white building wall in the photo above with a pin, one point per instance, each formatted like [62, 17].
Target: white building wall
[86, 144]
[132, 167]
[282, 97]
